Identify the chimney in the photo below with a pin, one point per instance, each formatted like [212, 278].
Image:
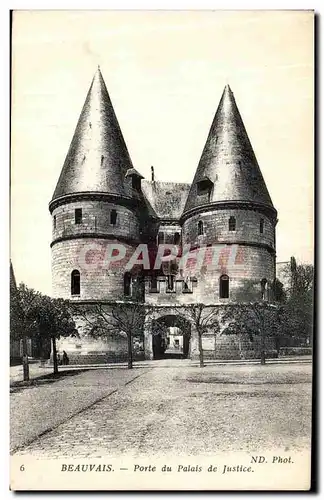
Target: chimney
[152, 173]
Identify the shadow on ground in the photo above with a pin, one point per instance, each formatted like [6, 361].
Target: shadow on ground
[49, 378]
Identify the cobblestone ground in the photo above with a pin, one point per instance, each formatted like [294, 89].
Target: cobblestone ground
[187, 410]
[36, 409]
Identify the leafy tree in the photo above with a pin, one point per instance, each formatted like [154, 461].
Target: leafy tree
[299, 304]
[278, 291]
[121, 317]
[255, 319]
[204, 318]
[46, 318]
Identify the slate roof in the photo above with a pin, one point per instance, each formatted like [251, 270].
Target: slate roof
[228, 160]
[97, 160]
[166, 198]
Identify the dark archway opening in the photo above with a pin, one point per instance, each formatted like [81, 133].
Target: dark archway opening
[171, 337]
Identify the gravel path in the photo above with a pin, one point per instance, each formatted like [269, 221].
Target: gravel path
[181, 410]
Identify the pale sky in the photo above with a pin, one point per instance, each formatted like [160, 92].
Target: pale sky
[165, 73]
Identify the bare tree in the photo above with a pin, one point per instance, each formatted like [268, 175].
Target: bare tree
[119, 317]
[204, 318]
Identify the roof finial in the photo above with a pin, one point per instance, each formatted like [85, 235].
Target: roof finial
[152, 173]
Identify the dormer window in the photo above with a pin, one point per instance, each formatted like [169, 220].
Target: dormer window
[136, 182]
[78, 216]
[204, 189]
[135, 178]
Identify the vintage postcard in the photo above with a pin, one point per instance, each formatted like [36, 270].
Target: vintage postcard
[161, 271]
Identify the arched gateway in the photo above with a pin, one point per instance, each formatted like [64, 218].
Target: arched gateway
[170, 336]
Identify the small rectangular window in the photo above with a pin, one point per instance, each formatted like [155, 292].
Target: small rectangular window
[160, 238]
[113, 217]
[170, 283]
[261, 225]
[232, 224]
[54, 221]
[78, 216]
[187, 286]
[154, 285]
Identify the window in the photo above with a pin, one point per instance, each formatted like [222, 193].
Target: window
[127, 284]
[204, 189]
[200, 228]
[176, 239]
[160, 237]
[154, 287]
[261, 225]
[187, 286]
[232, 224]
[170, 283]
[263, 288]
[54, 221]
[136, 182]
[75, 282]
[224, 287]
[78, 216]
[113, 217]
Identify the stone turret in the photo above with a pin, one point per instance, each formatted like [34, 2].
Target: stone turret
[228, 204]
[95, 203]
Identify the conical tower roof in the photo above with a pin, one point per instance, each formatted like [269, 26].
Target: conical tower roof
[97, 160]
[228, 162]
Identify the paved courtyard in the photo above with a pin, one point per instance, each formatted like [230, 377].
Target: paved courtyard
[165, 408]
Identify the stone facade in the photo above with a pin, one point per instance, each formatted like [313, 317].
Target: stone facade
[222, 226]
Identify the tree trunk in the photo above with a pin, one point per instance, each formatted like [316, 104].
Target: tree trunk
[130, 350]
[201, 353]
[25, 360]
[54, 356]
[263, 358]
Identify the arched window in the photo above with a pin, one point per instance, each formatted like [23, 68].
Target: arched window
[127, 284]
[224, 287]
[261, 225]
[75, 282]
[200, 228]
[232, 224]
[263, 288]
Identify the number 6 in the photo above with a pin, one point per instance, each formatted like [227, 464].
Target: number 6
[22, 467]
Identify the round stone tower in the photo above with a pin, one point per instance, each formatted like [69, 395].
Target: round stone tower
[94, 206]
[229, 209]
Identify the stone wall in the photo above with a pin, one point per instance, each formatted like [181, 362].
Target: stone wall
[95, 219]
[216, 228]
